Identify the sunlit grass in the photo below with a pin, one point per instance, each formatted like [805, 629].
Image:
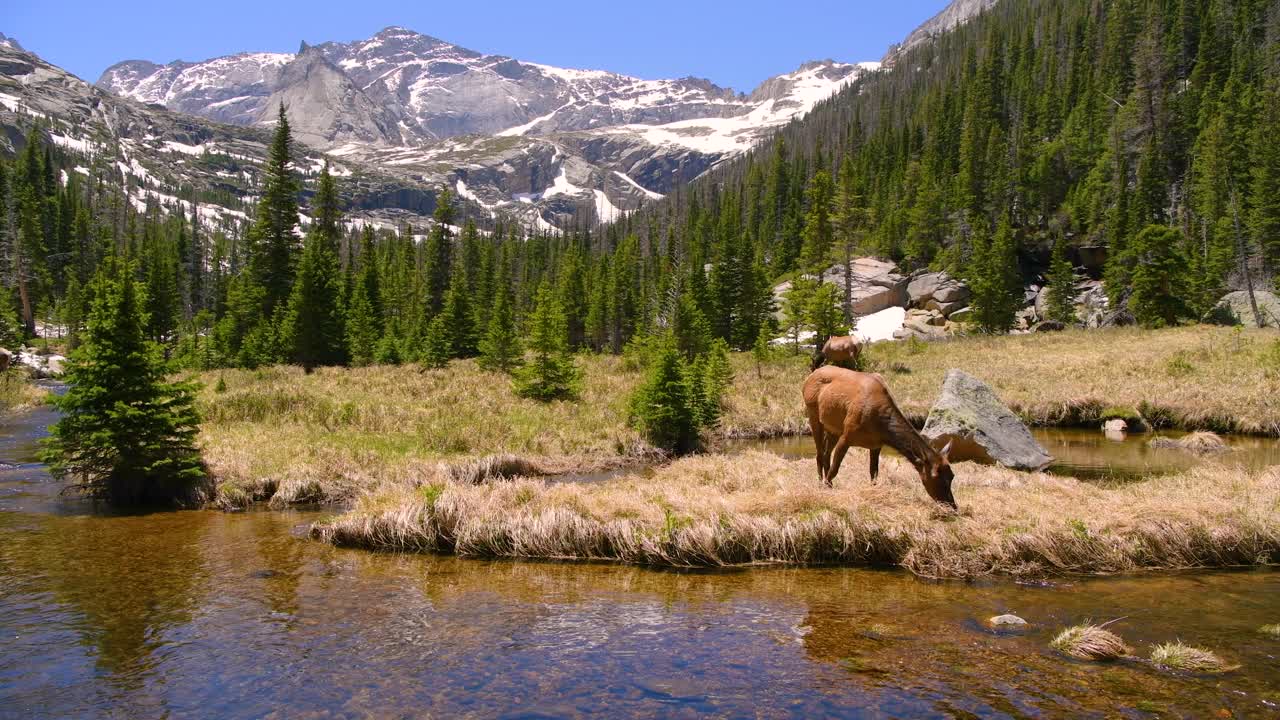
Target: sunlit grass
[1184, 657]
[277, 431]
[1223, 383]
[757, 507]
[1090, 642]
[18, 392]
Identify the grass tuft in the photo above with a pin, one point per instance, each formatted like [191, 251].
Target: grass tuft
[1090, 642]
[1184, 657]
[1201, 442]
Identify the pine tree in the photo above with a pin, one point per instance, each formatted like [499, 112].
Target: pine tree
[436, 346]
[1158, 278]
[1061, 305]
[709, 378]
[458, 316]
[314, 332]
[816, 250]
[994, 279]
[362, 328]
[163, 298]
[797, 305]
[500, 348]
[689, 327]
[665, 408]
[824, 315]
[364, 322]
[272, 239]
[126, 435]
[552, 374]
[1264, 221]
[438, 264]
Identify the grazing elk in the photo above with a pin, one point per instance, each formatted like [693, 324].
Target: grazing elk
[842, 350]
[848, 408]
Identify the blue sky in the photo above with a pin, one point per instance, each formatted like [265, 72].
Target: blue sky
[735, 44]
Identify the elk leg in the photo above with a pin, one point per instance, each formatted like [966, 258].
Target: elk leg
[875, 463]
[820, 447]
[837, 457]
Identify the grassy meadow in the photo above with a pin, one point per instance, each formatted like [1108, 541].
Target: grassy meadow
[333, 436]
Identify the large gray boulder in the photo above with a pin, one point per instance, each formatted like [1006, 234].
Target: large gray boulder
[939, 287]
[1235, 309]
[981, 428]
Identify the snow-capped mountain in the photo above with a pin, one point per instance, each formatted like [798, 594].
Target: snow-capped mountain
[435, 90]
[508, 135]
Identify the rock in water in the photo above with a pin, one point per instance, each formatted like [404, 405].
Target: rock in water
[1235, 309]
[1007, 619]
[981, 427]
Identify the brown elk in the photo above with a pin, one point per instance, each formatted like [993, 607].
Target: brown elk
[848, 408]
[840, 350]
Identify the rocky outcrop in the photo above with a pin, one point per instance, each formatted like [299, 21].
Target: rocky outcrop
[876, 284]
[957, 12]
[1235, 309]
[947, 293]
[981, 428]
[42, 366]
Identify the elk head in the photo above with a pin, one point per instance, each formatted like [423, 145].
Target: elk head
[937, 477]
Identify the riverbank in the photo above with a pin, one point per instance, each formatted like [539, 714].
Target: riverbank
[17, 392]
[280, 435]
[758, 508]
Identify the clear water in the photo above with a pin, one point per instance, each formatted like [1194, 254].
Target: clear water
[207, 614]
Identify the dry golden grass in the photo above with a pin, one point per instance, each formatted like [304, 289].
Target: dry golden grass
[757, 507]
[17, 392]
[1090, 642]
[1196, 377]
[1184, 657]
[277, 434]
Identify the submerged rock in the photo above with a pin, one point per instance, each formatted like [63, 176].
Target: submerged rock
[969, 414]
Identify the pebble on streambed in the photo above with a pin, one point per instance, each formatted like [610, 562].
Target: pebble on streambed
[1271, 630]
[1090, 642]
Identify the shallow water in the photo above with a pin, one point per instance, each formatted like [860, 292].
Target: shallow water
[207, 614]
[1088, 454]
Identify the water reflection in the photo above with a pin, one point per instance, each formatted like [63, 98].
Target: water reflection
[237, 615]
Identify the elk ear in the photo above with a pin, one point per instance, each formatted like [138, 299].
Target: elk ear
[946, 449]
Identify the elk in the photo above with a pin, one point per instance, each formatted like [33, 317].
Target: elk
[848, 408]
[838, 350]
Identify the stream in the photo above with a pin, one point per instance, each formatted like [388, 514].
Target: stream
[210, 614]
